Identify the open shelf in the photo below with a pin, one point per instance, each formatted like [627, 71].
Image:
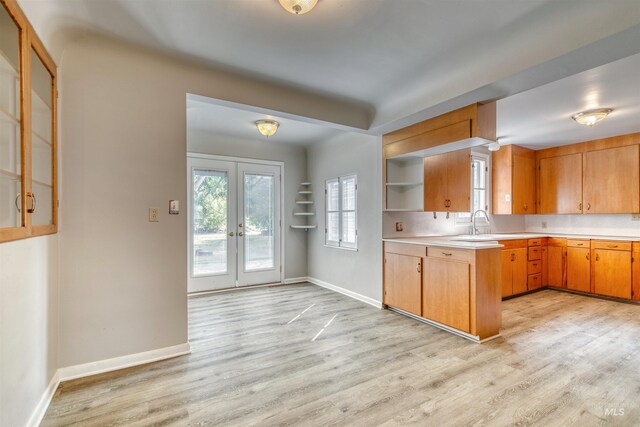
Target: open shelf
[305, 183]
[304, 227]
[305, 192]
[304, 202]
[402, 210]
[403, 184]
[303, 214]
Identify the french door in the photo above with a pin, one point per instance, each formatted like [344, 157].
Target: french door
[234, 224]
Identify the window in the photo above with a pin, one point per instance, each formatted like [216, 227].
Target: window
[341, 228]
[479, 189]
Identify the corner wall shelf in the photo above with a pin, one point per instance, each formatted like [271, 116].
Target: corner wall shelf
[305, 201]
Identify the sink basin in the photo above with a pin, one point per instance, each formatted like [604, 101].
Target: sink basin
[476, 238]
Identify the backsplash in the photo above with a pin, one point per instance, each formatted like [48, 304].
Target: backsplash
[423, 224]
[603, 225]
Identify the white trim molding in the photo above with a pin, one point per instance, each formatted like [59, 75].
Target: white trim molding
[108, 365]
[295, 280]
[347, 292]
[43, 404]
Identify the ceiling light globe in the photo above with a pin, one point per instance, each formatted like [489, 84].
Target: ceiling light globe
[298, 7]
[267, 127]
[591, 117]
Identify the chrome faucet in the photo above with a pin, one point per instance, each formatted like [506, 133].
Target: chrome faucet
[474, 229]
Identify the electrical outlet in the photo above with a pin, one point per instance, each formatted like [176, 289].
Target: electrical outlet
[154, 215]
[544, 224]
[635, 217]
[399, 226]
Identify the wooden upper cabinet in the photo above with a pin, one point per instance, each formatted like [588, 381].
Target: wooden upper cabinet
[612, 180]
[28, 98]
[514, 181]
[560, 184]
[435, 183]
[447, 182]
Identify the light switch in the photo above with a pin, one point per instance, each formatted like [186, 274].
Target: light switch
[507, 198]
[154, 215]
[174, 207]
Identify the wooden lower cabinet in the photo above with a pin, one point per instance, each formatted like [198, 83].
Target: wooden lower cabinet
[612, 273]
[514, 271]
[445, 296]
[556, 263]
[579, 269]
[545, 266]
[635, 271]
[403, 282]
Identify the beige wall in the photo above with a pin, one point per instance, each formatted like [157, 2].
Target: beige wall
[28, 325]
[295, 171]
[361, 271]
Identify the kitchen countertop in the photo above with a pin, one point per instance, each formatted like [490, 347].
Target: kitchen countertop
[455, 242]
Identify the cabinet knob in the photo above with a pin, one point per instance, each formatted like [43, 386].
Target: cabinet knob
[526, 207]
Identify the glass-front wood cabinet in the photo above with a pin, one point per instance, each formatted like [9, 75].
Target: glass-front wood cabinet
[28, 97]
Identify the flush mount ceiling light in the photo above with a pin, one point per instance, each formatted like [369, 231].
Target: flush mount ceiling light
[298, 7]
[267, 127]
[591, 117]
[494, 146]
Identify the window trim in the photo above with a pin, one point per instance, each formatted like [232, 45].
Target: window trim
[339, 244]
[482, 221]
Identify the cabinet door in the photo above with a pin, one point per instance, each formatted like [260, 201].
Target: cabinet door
[579, 269]
[545, 266]
[524, 183]
[611, 180]
[459, 180]
[612, 273]
[435, 183]
[403, 282]
[561, 185]
[507, 272]
[519, 266]
[445, 298]
[555, 266]
[13, 204]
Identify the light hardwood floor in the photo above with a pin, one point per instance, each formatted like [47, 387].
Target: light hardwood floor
[563, 359]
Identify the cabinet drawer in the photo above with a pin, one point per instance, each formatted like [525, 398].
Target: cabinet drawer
[535, 253]
[405, 249]
[450, 254]
[534, 281]
[556, 241]
[612, 245]
[534, 267]
[575, 243]
[535, 242]
[513, 244]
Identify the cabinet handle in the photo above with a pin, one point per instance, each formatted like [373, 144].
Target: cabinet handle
[612, 246]
[419, 271]
[588, 206]
[526, 207]
[32, 209]
[513, 257]
[580, 206]
[16, 202]
[587, 256]
[447, 253]
[597, 257]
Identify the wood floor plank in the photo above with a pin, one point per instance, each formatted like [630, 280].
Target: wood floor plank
[303, 355]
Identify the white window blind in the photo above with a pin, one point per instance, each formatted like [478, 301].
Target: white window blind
[479, 189]
[341, 217]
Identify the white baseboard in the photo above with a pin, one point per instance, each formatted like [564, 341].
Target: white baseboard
[347, 292]
[101, 366]
[293, 280]
[41, 408]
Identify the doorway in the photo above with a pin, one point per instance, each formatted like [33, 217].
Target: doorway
[235, 227]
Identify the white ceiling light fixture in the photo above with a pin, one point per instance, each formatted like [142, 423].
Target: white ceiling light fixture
[298, 7]
[591, 117]
[494, 146]
[267, 127]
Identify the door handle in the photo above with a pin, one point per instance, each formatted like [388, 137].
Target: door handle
[231, 234]
[240, 225]
[240, 234]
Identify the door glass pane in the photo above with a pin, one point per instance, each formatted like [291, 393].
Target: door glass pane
[10, 117]
[210, 212]
[259, 206]
[42, 140]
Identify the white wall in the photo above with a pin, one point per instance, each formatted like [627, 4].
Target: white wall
[28, 325]
[295, 171]
[602, 225]
[361, 271]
